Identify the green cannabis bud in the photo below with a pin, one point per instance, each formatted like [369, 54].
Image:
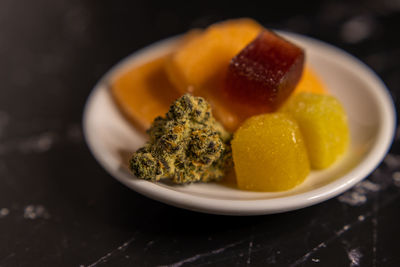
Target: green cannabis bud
[188, 145]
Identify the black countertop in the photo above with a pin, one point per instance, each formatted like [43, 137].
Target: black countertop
[58, 207]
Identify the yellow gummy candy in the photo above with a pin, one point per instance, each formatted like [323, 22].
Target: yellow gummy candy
[269, 153]
[323, 123]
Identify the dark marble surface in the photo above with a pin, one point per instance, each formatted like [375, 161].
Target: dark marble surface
[58, 207]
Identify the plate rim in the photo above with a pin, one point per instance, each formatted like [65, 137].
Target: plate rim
[152, 190]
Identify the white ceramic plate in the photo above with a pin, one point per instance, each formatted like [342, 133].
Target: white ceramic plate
[365, 98]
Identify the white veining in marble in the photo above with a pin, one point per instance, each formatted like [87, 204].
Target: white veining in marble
[105, 258]
[248, 262]
[200, 256]
[354, 256]
[33, 212]
[39, 143]
[396, 178]
[357, 29]
[4, 212]
[392, 161]
[359, 194]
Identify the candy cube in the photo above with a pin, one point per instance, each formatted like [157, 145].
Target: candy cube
[323, 123]
[200, 59]
[269, 153]
[263, 75]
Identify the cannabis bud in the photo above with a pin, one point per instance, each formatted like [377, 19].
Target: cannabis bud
[188, 145]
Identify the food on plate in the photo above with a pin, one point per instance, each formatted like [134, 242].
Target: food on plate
[195, 63]
[261, 92]
[263, 75]
[187, 145]
[269, 153]
[323, 123]
[199, 66]
[144, 92]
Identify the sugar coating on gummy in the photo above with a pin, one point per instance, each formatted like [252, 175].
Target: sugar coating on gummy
[269, 153]
[323, 124]
[263, 75]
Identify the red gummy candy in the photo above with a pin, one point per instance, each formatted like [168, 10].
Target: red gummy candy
[263, 75]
